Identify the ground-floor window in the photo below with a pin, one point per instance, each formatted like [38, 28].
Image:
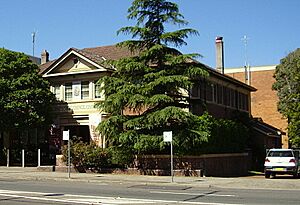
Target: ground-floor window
[79, 133]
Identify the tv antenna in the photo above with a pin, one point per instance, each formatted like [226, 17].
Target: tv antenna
[33, 34]
[245, 40]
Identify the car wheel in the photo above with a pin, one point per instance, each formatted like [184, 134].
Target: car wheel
[295, 175]
[267, 175]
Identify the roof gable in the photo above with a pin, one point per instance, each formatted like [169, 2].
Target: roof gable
[72, 62]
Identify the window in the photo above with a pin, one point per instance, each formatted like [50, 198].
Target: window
[68, 91]
[97, 90]
[243, 101]
[280, 154]
[209, 92]
[56, 91]
[220, 94]
[84, 89]
[215, 95]
[195, 91]
[226, 96]
[202, 90]
[246, 102]
[232, 98]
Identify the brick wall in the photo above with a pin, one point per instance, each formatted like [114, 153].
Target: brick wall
[222, 165]
[264, 100]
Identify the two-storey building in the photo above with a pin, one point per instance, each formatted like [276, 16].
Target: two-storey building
[73, 78]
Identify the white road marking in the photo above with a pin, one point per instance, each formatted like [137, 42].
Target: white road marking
[84, 199]
[192, 194]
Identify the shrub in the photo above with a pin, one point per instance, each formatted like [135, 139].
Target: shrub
[226, 136]
[87, 156]
[120, 156]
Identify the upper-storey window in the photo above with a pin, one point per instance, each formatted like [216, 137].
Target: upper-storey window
[77, 90]
[226, 96]
[243, 101]
[85, 89]
[209, 92]
[214, 93]
[68, 91]
[233, 98]
[97, 90]
[56, 91]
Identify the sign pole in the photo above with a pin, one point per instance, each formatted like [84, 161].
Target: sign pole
[168, 138]
[66, 136]
[172, 172]
[69, 160]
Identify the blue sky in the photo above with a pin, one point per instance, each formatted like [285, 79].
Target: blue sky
[272, 26]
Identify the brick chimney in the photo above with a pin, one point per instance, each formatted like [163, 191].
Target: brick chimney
[219, 54]
[44, 57]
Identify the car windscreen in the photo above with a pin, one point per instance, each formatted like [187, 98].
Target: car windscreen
[280, 154]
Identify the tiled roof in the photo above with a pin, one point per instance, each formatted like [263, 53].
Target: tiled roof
[112, 52]
[265, 128]
[44, 66]
[97, 54]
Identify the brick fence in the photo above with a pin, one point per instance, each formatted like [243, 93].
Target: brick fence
[220, 165]
[233, 164]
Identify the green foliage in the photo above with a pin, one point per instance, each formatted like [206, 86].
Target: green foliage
[25, 97]
[153, 84]
[287, 85]
[87, 156]
[199, 133]
[210, 135]
[120, 156]
[226, 136]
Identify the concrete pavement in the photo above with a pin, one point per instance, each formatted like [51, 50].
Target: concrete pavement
[250, 182]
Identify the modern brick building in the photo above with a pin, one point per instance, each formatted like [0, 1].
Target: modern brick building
[264, 100]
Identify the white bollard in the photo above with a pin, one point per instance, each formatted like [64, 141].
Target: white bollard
[23, 158]
[7, 158]
[39, 157]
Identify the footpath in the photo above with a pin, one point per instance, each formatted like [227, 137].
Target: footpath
[249, 182]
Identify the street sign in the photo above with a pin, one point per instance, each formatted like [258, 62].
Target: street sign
[167, 136]
[66, 135]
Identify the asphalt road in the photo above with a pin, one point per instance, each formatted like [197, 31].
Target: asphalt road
[18, 191]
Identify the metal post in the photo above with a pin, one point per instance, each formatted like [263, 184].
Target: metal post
[66, 136]
[168, 138]
[69, 160]
[7, 158]
[172, 173]
[39, 157]
[23, 158]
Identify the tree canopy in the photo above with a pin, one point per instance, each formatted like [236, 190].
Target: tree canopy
[149, 92]
[287, 85]
[25, 97]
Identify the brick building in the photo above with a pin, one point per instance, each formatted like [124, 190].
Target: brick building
[73, 79]
[264, 100]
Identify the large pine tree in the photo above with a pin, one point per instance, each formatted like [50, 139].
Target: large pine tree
[149, 92]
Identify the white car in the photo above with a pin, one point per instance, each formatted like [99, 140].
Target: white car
[281, 161]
